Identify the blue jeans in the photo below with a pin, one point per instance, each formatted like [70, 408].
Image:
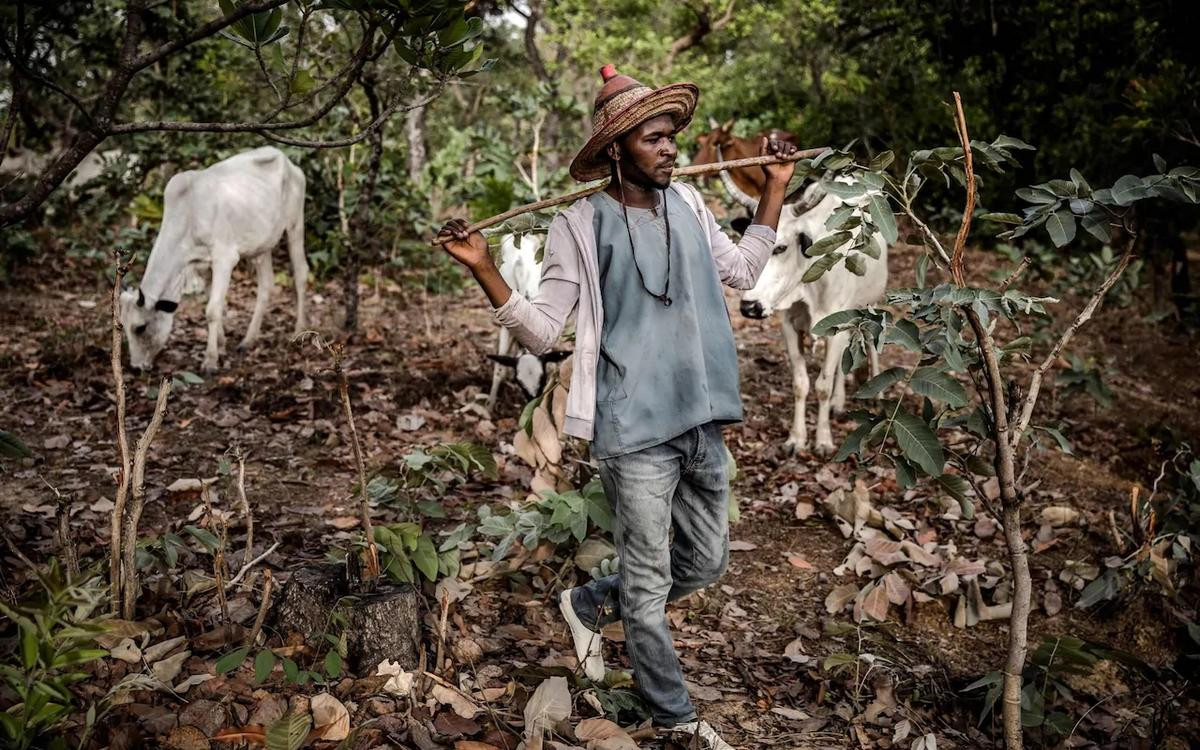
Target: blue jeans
[681, 485]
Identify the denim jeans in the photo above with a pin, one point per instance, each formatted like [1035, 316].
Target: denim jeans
[679, 486]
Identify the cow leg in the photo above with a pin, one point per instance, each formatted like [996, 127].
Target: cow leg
[504, 347]
[834, 347]
[262, 297]
[798, 436]
[295, 241]
[839, 389]
[222, 270]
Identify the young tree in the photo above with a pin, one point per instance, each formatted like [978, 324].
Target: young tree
[954, 327]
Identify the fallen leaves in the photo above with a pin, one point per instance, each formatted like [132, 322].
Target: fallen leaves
[331, 720]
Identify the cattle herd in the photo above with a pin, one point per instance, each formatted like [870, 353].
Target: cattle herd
[243, 207]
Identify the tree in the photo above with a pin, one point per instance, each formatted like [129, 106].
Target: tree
[103, 94]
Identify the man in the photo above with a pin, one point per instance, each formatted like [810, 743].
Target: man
[655, 376]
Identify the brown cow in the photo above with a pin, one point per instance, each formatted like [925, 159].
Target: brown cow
[721, 139]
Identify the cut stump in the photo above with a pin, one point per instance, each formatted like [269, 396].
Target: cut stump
[383, 624]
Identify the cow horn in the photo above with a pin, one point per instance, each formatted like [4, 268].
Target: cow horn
[712, 123]
[816, 194]
[734, 191]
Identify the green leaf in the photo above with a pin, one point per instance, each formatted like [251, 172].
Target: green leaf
[881, 161]
[834, 661]
[1127, 189]
[938, 385]
[1097, 227]
[1081, 185]
[205, 537]
[264, 662]
[881, 214]
[11, 446]
[1007, 141]
[918, 443]
[1063, 444]
[906, 475]
[1160, 164]
[1003, 218]
[291, 671]
[1061, 226]
[828, 243]
[906, 334]
[856, 264]
[827, 325]
[77, 656]
[881, 382]
[425, 557]
[1032, 195]
[232, 660]
[191, 378]
[853, 442]
[819, 267]
[288, 732]
[333, 663]
[958, 487]
[29, 645]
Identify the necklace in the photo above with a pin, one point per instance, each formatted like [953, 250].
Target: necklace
[664, 297]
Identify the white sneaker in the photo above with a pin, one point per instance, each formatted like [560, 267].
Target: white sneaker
[587, 641]
[700, 732]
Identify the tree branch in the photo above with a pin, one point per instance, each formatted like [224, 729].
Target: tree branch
[704, 26]
[394, 107]
[960, 241]
[1035, 382]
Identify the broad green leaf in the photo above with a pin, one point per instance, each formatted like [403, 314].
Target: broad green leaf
[918, 443]
[881, 382]
[1032, 195]
[291, 671]
[819, 267]
[77, 656]
[1007, 141]
[881, 213]
[845, 191]
[289, 732]
[425, 558]
[829, 242]
[827, 325]
[205, 537]
[853, 442]
[1081, 185]
[1063, 444]
[191, 378]
[232, 660]
[856, 264]
[1127, 189]
[333, 664]
[11, 446]
[906, 334]
[264, 662]
[881, 161]
[938, 385]
[1097, 227]
[1061, 226]
[29, 645]
[1160, 164]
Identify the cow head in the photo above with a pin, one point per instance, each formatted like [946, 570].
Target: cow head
[531, 368]
[718, 136]
[800, 225]
[147, 326]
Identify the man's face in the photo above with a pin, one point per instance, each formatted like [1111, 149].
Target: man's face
[648, 153]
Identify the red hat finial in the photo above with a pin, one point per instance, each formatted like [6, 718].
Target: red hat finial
[608, 72]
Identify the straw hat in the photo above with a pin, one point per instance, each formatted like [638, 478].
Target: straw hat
[621, 105]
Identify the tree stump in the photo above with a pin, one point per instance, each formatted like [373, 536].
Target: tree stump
[382, 624]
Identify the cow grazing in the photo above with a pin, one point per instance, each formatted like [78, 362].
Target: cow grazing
[522, 271]
[780, 289]
[237, 208]
[720, 144]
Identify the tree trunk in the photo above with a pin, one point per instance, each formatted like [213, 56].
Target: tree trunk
[418, 151]
[382, 624]
[361, 223]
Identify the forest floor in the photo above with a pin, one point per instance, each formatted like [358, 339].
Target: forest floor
[766, 660]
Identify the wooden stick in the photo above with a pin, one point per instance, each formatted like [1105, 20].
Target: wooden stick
[692, 171]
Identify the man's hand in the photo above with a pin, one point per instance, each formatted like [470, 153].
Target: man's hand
[468, 248]
[777, 173]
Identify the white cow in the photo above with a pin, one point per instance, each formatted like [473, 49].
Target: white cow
[780, 289]
[237, 208]
[523, 272]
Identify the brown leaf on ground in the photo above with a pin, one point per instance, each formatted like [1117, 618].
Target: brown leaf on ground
[186, 738]
[331, 720]
[837, 599]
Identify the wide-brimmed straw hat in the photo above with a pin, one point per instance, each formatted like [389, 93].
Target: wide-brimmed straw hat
[621, 105]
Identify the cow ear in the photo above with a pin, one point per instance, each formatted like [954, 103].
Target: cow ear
[740, 224]
[558, 355]
[502, 359]
[141, 298]
[166, 305]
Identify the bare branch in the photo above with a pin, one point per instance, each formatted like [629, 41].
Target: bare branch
[262, 65]
[118, 511]
[960, 242]
[396, 106]
[1016, 274]
[704, 26]
[1035, 382]
[133, 513]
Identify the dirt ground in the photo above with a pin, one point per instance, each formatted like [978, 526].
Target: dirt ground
[420, 359]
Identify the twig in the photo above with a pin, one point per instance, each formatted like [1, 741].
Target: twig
[372, 567]
[960, 242]
[445, 606]
[118, 511]
[133, 513]
[262, 609]
[1035, 382]
[692, 171]
[241, 488]
[219, 552]
[245, 568]
[1016, 274]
